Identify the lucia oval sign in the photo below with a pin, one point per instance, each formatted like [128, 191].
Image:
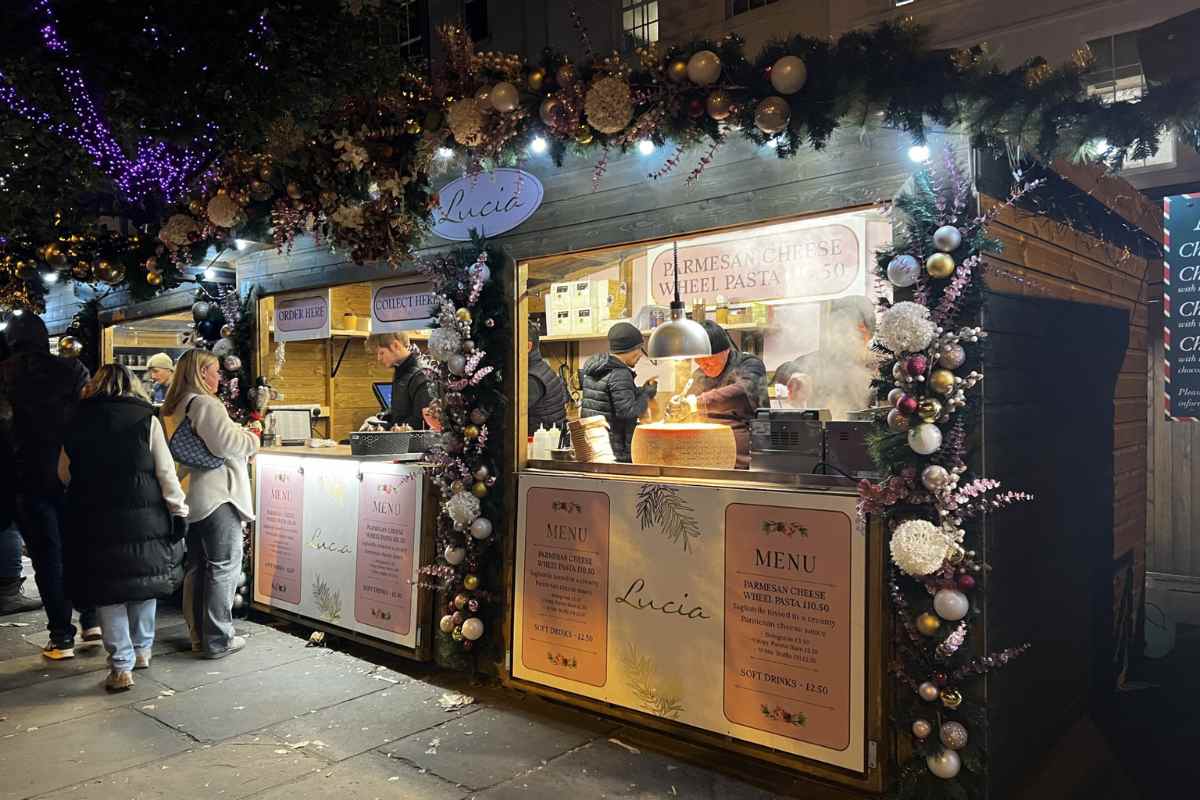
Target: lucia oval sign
[490, 203]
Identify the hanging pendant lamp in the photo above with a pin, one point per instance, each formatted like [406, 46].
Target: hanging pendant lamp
[680, 337]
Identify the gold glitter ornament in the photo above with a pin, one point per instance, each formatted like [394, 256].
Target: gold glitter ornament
[928, 624]
[537, 78]
[939, 265]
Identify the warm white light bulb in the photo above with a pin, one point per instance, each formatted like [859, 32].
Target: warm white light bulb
[444, 153]
[645, 147]
[538, 145]
[50, 278]
[918, 153]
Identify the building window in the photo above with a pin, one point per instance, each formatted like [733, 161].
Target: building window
[735, 7]
[475, 19]
[1117, 75]
[639, 22]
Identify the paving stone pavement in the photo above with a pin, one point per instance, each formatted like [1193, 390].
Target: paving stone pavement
[284, 721]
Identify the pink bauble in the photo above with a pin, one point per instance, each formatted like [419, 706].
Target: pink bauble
[907, 404]
[917, 365]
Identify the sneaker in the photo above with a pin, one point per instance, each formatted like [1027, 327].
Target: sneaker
[197, 647]
[141, 659]
[119, 681]
[92, 635]
[235, 644]
[14, 601]
[57, 651]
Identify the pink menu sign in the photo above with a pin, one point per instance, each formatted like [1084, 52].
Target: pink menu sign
[564, 625]
[810, 262]
[387, 522]
[787, 622]
[280, 521]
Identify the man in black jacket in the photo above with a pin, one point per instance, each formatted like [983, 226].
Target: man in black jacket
[547, 392]
[410, 385]
[43, 391]
[12, 598]
[609, 389]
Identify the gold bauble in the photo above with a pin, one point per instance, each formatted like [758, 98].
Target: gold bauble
[412, 127]
[471, 582]
[550, 111]
[504, 97]
[565, 75]
[264, 173]
[928, 624]
[82, 271]
[26, 270]
[537, 78]
[951, 698]
[719, 104]
[583, 135]
[939, 265]
[260, 190]
[116, 274]
[102, 269]
[154, 278]
[463, 314]
[70, 347]
[704, 67]
[460, 601]
[479, 489]
[771, 115]
[52, 254]
[196, 207]
[677, 71]
[151, 264]
[293, 190]
[942, 381]
[929, 409]
[470, 432]
[227, 331]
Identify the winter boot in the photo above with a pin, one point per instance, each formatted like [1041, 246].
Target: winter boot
[13, 600]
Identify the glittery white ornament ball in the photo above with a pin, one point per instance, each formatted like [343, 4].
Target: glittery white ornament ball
[918, 548]
[951, 604]
[463, 507]
[952, 357]
[454, 555]
[905, 327]
[954, 735]
[472, 628]
[945, 764]
[947, 238]
[935, 477]
[481, 528]
[925, 439]
[443, 343]
[903, 270]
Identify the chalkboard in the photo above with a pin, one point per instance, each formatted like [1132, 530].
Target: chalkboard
[1181, 307]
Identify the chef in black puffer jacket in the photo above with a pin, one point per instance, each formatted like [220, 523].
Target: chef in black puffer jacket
[609, 389]
[126, 517]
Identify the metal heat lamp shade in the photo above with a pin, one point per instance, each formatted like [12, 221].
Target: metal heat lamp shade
[680, 337]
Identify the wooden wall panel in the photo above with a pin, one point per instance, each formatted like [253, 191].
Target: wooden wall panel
[1044, 258]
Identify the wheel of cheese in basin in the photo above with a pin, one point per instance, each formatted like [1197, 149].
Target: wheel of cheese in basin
[685, 444]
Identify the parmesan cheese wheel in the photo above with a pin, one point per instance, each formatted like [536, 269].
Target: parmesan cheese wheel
[685, 444]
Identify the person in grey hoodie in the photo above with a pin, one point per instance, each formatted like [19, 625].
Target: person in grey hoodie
[218, 501]
[609, 389]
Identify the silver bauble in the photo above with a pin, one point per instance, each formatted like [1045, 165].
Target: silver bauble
[945, 764]
[903, 270]
[951, 604]
[935, 477]
[947, 238]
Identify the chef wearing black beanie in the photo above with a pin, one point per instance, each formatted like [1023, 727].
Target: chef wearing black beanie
[609, 389]
[729, 386]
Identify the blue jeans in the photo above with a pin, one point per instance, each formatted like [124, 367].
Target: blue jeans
[38, 517]
[128, 629]
[214, 562]
[10, 553]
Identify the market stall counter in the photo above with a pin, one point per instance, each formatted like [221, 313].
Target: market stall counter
[708, 603]
[340, 540]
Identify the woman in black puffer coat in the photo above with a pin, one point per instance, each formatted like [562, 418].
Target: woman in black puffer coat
[125, 517]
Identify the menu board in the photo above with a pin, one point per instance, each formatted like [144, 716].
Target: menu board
[1181, 307]
[345, 551]
[739, 612]
[566, 585]
[280, 519]
[787, 603]
[383, 595]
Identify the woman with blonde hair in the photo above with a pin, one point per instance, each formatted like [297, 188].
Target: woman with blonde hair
[126, 517]
[214, 452]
